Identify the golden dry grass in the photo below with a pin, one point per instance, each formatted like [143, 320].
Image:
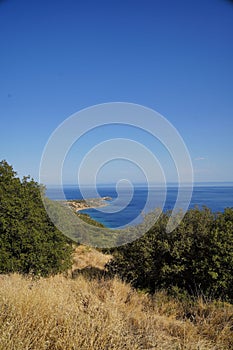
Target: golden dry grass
[85, 256]
[63, 314]
[60, 313]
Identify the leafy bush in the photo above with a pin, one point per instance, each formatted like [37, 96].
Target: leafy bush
[197, 257]
[29, 242]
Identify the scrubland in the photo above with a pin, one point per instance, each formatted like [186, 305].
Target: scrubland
[64, 313]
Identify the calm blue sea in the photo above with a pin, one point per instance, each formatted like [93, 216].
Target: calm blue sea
[122, 209]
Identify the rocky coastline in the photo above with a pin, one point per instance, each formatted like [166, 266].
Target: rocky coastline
[81, 204]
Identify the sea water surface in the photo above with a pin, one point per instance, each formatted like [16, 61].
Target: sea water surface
[123, 210]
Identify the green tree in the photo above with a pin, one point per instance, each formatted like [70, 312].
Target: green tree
[197, 257]
[29, 242]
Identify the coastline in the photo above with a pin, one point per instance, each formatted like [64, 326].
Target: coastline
[81, 204]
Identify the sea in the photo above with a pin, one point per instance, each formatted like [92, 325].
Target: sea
[127, 205]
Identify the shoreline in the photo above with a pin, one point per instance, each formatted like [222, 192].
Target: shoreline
[81, 204]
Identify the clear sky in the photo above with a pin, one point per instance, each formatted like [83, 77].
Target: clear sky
[58, 57]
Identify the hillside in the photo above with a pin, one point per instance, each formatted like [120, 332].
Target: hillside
[95, 314]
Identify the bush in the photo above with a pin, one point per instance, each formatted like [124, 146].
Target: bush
[197, 257]
[29, 242]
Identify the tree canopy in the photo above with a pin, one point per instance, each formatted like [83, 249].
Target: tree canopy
[196, 258]
[29, 242]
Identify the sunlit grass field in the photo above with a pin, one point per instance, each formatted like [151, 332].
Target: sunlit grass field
[61, 313]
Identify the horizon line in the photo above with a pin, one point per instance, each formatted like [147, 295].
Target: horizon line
[169, 183]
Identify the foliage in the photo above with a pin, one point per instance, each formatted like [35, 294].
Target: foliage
[29, 242]
[86, 218]
[79, 227]
[197, 257]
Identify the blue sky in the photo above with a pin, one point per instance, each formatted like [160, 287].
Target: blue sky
[58, 57]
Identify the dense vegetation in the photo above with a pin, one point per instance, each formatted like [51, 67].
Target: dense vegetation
[29, 242]
[86, 218]
[196, 258]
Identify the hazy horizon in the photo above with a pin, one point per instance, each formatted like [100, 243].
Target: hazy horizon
[201, 183]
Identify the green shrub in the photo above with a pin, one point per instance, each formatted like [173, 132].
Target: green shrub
[29, 242]
[196, 258]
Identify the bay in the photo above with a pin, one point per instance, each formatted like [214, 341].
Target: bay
[126, 206]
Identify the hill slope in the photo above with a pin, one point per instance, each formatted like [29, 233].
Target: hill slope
[82, 314]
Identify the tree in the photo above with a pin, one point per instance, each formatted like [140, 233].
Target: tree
[29, 242]
[197, 257]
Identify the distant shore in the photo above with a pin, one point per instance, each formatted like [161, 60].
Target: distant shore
[81, 204]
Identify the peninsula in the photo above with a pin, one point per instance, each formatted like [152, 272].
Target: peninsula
[81, 204]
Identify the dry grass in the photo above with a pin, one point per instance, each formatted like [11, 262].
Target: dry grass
[61, 313]
[86, 256]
